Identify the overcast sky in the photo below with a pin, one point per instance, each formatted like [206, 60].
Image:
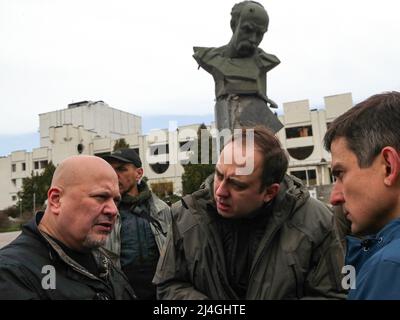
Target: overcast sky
[137, 55]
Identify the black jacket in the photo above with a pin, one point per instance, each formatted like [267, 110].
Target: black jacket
[26, 266]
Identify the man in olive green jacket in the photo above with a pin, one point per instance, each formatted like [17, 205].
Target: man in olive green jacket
[254, 236]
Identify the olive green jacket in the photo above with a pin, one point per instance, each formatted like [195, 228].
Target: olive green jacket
[299, 256]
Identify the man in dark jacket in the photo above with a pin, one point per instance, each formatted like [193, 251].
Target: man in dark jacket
[365, 146]
[141, 228]
[251, 233]
[58, 254]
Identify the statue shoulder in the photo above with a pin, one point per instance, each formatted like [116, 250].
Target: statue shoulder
[204, 54]
[268, 60]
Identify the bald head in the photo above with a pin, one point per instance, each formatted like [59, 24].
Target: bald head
[82, 202]
[76, 169]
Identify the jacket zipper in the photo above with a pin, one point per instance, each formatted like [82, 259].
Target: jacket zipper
[297, 276]
[278, 227]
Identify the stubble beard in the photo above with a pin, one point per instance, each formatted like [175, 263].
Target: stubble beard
[94, 241]
[134, 186]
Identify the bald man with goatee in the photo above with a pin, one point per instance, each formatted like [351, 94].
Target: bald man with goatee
[58, 254]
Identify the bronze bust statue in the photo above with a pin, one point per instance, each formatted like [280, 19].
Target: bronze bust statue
[239, 70]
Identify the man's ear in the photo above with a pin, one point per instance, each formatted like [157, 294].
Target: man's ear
[391, 160]
[139, 172]
[271, 192]
[54, 199]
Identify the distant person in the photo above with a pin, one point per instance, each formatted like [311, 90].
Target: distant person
[141, 229]
[251, 235]
[365, 147]
[59, 254]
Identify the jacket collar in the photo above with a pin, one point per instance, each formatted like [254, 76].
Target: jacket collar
[359, 250]
[32, 227]
[133, 201]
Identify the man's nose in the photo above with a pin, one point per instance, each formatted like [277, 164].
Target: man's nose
[222, 190]
[336, 197]
[255, 39]
[111, 208]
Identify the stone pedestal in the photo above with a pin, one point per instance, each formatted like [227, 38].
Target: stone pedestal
[236, 111]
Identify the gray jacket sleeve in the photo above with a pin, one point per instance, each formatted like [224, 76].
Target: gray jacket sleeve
[324, 279]
[172, 277]
[160, 211]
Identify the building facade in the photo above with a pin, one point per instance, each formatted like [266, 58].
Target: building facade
[302, 137]
[92, 128]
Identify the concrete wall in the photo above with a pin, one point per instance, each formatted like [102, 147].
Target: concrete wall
[5, 182]
[97, 117]
[298, 113]
[337, 104]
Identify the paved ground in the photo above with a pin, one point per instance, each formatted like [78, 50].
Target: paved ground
[6, 237]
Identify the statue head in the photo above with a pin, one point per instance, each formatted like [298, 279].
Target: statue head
[249, 22]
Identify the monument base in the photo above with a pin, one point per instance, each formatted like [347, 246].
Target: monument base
[235, 112]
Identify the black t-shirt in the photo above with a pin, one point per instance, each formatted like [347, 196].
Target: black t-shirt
[85, 258]
[240, 239]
